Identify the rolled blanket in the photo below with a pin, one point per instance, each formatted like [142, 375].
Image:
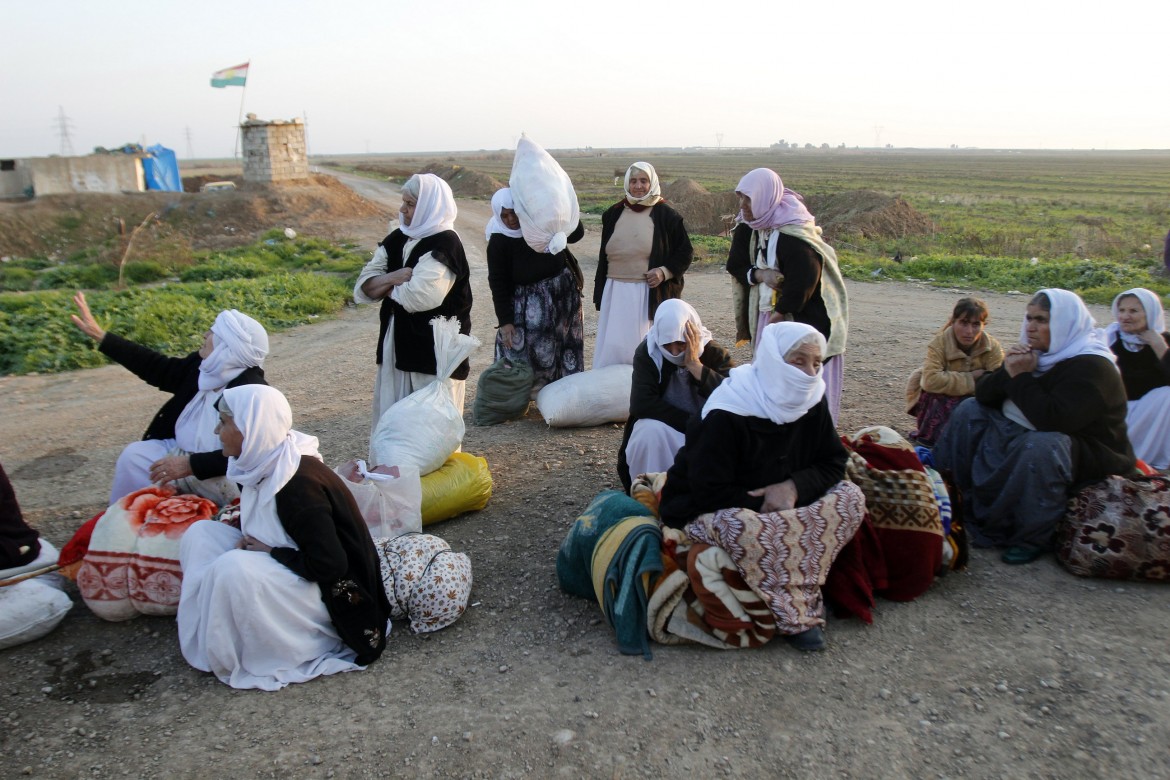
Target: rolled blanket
[575, 558]
[785, 556]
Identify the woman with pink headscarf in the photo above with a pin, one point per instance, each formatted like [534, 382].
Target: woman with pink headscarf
[786, 272]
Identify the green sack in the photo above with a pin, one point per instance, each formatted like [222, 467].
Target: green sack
[503, 391]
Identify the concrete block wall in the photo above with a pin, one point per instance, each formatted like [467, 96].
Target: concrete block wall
[274, 151]
[111, 173]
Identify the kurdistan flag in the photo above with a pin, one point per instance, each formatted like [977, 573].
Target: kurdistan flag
[235, 76]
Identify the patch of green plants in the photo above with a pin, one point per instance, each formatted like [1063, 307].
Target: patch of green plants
[710, 250]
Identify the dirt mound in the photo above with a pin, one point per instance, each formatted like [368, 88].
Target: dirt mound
[868, 214]
[704, 212]
[96, 226]
[465, 182]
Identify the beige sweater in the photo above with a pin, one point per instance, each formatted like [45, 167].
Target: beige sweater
[947, 368]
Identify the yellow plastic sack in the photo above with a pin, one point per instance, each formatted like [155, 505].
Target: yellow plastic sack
[462, 484]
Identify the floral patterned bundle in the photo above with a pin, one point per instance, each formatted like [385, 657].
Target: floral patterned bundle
[425, 580]
[1118, 529]
[132, 565]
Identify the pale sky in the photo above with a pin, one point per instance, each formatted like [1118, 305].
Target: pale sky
[445, 76]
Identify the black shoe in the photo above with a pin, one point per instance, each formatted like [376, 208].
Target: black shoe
[1017, 556]
[808, 641]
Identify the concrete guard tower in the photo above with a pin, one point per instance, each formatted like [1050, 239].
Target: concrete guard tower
[274, 151]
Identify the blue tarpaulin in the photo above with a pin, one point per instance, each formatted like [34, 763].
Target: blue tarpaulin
[161, 169]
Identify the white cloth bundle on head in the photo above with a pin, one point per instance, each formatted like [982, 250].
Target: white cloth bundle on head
[1071, 329]
[500, 201]
[435, 210]
[769, 387]
[653, 195]
[546, 202]
[270, 455]
[669, 326]
[239, 343]
[1155, 318]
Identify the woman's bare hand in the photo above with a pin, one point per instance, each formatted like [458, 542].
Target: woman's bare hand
[655, 277]
[778, 497]
[170, 468]
[86, 323]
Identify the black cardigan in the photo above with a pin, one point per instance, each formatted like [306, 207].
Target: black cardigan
[801, 264]
[512, 263]
[647, 389]
[1141, 371]
[179, 376]
[671, 247]
[1082, 397]
[337, 553]
[726, 455]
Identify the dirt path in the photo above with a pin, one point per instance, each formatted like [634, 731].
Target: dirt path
[997, 671]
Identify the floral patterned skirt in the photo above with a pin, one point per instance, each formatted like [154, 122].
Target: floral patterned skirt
[932, 411]
[550, 329]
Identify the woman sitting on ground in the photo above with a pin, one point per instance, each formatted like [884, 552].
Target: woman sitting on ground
[1050, 418]
[180, 446]
[536, 296]
[1138, 339]
[765, 441]
[676, 367]
[960, 353]
[297, 591]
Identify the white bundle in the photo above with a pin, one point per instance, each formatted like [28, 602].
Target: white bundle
[544, 198]
[590, 398]
[423, 429]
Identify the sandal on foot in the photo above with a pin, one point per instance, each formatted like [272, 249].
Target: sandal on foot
[1017, 556]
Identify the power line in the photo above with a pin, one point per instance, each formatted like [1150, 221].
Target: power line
[64, 125]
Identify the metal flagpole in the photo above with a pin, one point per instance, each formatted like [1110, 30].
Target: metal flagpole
[240, 120]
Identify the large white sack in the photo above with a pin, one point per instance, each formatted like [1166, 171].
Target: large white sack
[544, 198]
[590, 398]
[29, 610]
[423, 429]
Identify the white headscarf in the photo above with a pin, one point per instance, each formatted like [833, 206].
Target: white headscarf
[270, 455]
[1155, 318]
[239, 343]
[653, 195]
[435, 211]
[769, 387]
[500, 201]
[669, 326]
[1071, 329]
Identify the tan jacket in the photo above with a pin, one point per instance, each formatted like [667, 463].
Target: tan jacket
[947, 369]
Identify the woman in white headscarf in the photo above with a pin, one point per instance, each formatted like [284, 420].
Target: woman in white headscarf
[676, 368]
[418, 272]
[536, 297]
[180, 445]
[1139, 340]
[765, 442]
[1052, 416]
[645, 250]
[296, 592]
[787, 271]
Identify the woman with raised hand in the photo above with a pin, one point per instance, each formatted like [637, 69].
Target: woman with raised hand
[1050, 418]
[1138, 338]
[418, 272]
[645, 250]
[180, 445]
[296, 592]
[788, 270]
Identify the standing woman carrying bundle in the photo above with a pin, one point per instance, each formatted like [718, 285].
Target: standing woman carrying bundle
[645, 250]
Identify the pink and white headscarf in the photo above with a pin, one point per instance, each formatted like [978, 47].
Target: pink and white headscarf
[773, 205]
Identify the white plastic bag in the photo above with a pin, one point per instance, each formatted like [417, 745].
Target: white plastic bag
[545, 200]
[391, 504]
[590, 398]
[423, 429]
[29, 610]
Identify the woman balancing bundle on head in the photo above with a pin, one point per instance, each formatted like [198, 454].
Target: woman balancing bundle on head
[418, 272]
[180, 446]
[1138, 339]
[536, 298]
[297, 591]
[956, 357]
[1052, 416]
[645, 250]
[789, 271]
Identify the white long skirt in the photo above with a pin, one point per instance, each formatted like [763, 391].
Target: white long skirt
[250, 620]
[1148, 420]
[652, 447]
[622, 323]
[132, 472]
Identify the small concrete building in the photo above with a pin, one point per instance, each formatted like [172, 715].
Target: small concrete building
[110, 173]
[274, 151]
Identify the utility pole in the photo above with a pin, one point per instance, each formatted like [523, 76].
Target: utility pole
[718, 141]
[63, 127]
